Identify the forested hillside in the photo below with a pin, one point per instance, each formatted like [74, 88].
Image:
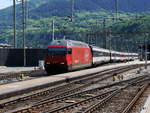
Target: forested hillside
[88, 18]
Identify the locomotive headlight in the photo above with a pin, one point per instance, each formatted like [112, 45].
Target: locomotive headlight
[48, 63]
[62, 63]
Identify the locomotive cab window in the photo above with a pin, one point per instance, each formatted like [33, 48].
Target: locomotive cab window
[57, 51]
[69, 51]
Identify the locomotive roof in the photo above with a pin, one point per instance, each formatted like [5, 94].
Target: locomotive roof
[68, 43]
[99, 49]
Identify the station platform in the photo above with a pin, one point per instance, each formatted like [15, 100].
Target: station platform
[4, 69]
[19, 86]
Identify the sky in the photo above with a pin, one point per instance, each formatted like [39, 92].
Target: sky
[5, 3]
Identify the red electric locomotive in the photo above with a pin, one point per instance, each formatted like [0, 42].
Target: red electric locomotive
[66, 55]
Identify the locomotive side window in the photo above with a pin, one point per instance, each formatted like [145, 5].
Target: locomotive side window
[57, 51]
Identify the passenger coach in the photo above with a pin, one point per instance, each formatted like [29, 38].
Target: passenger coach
[66, 55]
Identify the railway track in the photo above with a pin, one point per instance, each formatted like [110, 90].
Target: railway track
[89, 106]
[137, 104]
[81, 99]
[67, 93]
[133, 101]
[63, 89]
[121, 102]
[67, 84]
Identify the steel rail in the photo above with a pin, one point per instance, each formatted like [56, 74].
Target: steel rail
[64, 86]
[79, 103]
[103, 101]
[79, 88]
[134, 100]
[100, 103]
[56, 109]
[60, 95]
[52, 101]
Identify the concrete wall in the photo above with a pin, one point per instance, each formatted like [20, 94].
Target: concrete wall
[14, 57]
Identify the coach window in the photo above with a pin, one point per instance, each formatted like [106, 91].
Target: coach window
[69, 51]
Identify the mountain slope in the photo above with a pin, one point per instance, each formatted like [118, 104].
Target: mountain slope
[124, 5]
[45, 8]
[54, 7]
[87, 16]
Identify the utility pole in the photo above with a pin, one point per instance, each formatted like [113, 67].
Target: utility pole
[145, 43]
[127, 45]
[104, 30]
[110, 36]
[72, 10]
[116, 8]
[140, 53]
[53, 30]
[23, 30]
[14, 22]
[26, 12]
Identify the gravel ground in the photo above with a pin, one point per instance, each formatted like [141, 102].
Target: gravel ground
[133, 73]
[139, 106]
